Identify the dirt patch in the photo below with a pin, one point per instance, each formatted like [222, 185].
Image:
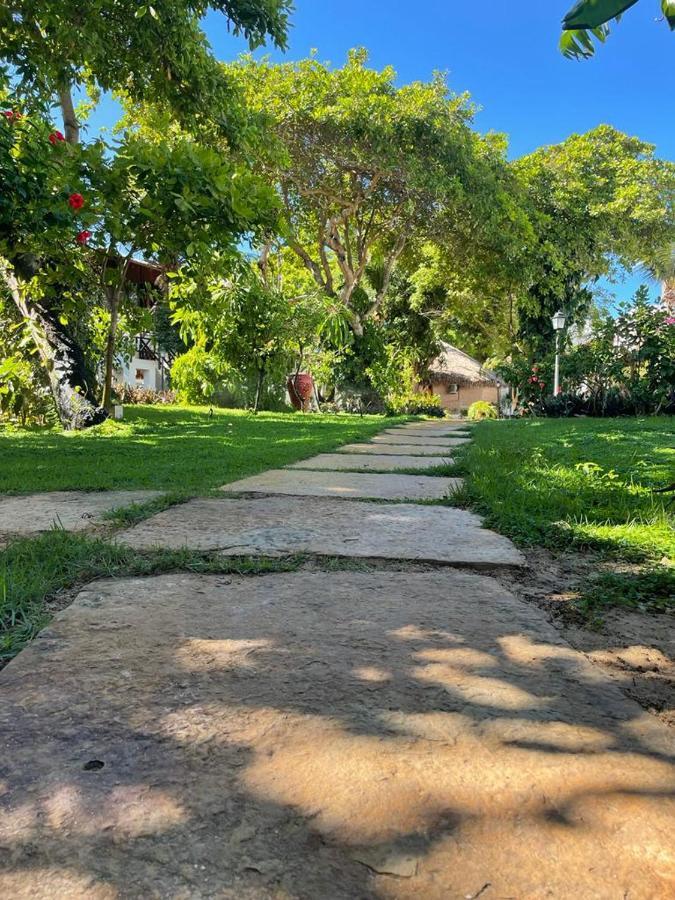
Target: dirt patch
[636, 649]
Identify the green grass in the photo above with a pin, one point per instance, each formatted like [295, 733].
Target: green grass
[651, 589]
[35, 571]
[173, 448]
[585, 483]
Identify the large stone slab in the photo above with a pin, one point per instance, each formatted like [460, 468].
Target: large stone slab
[273, 526]
[346, 485]
[71, 510]
[420, 450]
[423, 432]
[434, 443]
[351, 735]
[375, 463]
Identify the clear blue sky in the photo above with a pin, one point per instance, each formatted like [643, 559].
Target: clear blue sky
[506, 56]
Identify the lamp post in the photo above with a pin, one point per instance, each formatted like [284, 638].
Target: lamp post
[558, 325]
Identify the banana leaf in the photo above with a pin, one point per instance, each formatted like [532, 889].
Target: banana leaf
[590, 14]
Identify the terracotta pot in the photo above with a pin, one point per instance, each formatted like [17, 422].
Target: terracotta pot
[300, 390]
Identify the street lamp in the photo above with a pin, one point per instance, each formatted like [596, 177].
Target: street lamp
[558, 325]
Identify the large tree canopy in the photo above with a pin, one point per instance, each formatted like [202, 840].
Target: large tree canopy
[153, 52]
[365, 169]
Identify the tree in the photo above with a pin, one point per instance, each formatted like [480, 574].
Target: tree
[154, 54]
[588, 19]
[598, 202]
[365, 168]
[243, 318]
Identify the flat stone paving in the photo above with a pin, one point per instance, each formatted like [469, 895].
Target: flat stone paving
[391, 449]
[384, 735]
[433, 443]
[421, 432]
[271, 526]
[71, 510]
[346, 485]
[382, 463]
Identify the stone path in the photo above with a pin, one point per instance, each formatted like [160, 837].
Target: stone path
[393, 732]
[390, 449]
[376, 463]
[273, 526]
[71, 510]
[346, 485]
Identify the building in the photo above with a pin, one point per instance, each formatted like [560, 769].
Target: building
[149, 367]
[459, 380]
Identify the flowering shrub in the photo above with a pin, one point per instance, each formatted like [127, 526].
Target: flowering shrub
[132, 394]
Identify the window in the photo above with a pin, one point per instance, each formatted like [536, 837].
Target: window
[453, 389]
[140, 374]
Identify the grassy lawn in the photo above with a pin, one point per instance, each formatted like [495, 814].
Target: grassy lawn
[585, 484]
[181, 450]
[171, 448]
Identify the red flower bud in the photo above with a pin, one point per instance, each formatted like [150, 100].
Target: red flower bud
[12, 115]
[56, 137]
[76, 201]
[542, 385]
[83, 237]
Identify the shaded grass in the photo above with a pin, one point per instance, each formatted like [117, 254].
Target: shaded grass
[584, 483]
[173, 448]
[650, 590]
[36, 572]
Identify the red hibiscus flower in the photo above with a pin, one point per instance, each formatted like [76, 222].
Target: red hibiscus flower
[83, 237]
[76, 201]
[12, 115]
[542, 385]
[56, 137]
[533, 379]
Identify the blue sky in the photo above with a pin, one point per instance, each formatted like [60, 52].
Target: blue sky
[506, 56]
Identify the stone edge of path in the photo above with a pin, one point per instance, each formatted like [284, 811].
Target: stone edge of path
[268, 526]
[307, 482]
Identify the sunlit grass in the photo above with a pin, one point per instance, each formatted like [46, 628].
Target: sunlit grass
[173, 448]
[580, 482]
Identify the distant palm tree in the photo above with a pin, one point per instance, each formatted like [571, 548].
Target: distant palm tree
[661, 267]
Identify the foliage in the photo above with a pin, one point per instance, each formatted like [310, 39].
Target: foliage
[415, 404]
[623, 366]
[196, 376]
[248, 324]
[651, 589]
[162, 447]
[366, 168]
[137, 394]
[588, 19]
[585, 483]
[155, 53]
[481, 409]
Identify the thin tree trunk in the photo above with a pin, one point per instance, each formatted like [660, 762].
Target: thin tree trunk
[258, 390]
[71, 126]
[61, 357]
[113, 300]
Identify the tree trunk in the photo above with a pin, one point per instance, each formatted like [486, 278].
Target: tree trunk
[258, 389]
[71, 126]
[113, 300]
[62, 358]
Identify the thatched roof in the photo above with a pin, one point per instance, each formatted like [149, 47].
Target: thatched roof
[453, 366]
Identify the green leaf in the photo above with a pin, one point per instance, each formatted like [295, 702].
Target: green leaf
[140, 12]
[589, 14]
[668, 7]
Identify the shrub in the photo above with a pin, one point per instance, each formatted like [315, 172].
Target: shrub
[139, 394]
[481, 409]
[415, 404]
[24, 397]
[196, 376]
